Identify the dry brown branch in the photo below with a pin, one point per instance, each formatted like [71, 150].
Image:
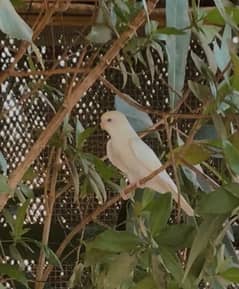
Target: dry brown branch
[77, 93]
[49, 72]
[50, 201]
[90, 218]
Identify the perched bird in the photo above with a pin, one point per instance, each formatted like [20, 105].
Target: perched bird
[135, 158]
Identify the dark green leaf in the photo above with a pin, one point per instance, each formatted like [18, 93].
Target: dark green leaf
[202, 92]
[231, 274]
[145, 283]
[170, 31]
[231, 155]
[82, 134]
[206, 231]
[160, 210]
[174, 266]
[114, 241]
[217, 202]
[184, 236]
[14, 272]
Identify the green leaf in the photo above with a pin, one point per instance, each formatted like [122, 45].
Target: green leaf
[3, 163]
[193, 153]
[217, 202]
[99, 34]
[171, 31]
[120, 270]
[150, 62]
[206, 231]
[114, 241]
[4, 187]
[227, 18]
[19, 222]
[184, 232]
[76, 180]
[52, 257]
[124, 73]
[231, 274]
[12, 24]
[160, 210]
[145, 283]
[2, 287]
[213, 16]
[82, 134]
[14, 272]
[232, 155]
[177, 46]
[139, 120]
[202, 92]
[97, 185]
[174, 266]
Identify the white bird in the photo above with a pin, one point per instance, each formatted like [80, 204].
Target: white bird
[135, 158]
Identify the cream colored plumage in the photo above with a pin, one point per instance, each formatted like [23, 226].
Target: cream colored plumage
[135, 158]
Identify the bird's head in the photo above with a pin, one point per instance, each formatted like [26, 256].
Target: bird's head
[115, 122]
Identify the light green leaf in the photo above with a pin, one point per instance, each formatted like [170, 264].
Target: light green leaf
[214, 17]
[12, 24]
[120, 270]
[194, 153]
[221, 8]
[114, 241]
[124, 73]
[2, 287]
[14, 272]
[231, 155]
[177, 46]
[99, 34]
[231, 274]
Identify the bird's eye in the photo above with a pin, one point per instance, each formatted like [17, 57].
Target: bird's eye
[109, 119]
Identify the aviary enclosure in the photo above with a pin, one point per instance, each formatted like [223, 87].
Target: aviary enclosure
[172, 68]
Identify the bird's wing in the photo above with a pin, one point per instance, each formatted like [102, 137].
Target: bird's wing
[114, 158]
[144, 154]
